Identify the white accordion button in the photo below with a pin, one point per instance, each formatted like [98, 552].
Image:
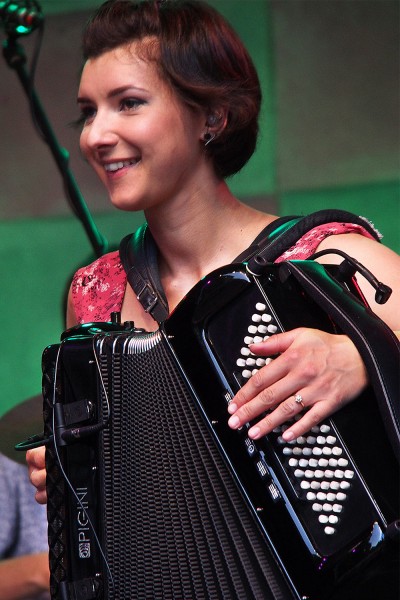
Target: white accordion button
[329, 530]
[261, 307]
[323, 519]
[266, 318]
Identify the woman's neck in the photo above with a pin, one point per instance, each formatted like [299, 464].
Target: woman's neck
[205, 234]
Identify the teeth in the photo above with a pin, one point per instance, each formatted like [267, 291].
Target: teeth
[118, 165]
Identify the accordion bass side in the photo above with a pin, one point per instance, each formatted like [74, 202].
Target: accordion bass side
[151, 495]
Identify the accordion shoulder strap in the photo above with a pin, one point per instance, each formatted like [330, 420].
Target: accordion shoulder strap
[139, 253]
[287, 234]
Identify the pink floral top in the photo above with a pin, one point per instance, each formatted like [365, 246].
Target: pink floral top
[98, 289]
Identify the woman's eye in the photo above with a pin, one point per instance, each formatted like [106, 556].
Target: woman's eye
[129, 104]
[87, 115]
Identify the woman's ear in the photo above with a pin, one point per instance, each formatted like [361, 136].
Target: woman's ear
[216, 121]
[215, 124]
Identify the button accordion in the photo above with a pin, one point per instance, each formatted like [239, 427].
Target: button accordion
[152, 496]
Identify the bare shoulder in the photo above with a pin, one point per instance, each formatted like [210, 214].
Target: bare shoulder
[383, 262]
[363, 249]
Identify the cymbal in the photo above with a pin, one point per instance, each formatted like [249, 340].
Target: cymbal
[18, 424]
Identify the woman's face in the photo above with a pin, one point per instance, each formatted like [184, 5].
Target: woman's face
[142, 141]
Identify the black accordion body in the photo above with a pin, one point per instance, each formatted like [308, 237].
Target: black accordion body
[152, 496]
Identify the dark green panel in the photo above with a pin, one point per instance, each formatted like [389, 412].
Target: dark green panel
[38, 259]
[380, 203]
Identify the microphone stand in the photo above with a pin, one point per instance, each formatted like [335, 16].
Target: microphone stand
[16, 59]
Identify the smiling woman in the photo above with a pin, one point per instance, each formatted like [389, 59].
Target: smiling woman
[170, 102]
[124, 125]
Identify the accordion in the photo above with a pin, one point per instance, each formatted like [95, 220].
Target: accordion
[152, 496]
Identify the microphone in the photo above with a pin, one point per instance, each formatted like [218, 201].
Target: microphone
[20, 17]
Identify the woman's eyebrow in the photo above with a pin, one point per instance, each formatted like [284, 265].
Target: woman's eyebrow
[114, 92]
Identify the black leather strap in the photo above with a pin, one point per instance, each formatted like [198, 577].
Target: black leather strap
[280, 242]
[267, 235]
[138, 254]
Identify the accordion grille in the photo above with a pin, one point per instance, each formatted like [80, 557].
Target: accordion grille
[176, 523]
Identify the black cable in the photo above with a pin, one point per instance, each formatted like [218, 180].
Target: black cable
[350, 266]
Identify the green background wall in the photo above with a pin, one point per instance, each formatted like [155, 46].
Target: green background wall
[330, 137]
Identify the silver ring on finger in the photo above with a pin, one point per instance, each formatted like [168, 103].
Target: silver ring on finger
[299, 400]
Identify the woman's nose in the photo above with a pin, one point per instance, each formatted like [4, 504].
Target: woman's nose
[99, 133]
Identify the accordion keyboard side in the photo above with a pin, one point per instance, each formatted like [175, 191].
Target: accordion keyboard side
[329, 512]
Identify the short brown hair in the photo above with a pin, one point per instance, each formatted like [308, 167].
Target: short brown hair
[200, 56]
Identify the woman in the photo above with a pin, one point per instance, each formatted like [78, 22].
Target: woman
[169, 102]
[169, 110]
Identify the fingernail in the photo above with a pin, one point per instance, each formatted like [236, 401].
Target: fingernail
[254, 433]
[234, 422]
[288, 435]
[232, 407]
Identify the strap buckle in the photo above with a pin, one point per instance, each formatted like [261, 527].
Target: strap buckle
[147, 297]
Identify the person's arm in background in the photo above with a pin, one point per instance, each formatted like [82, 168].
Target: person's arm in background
[25, 577]
[24, 564]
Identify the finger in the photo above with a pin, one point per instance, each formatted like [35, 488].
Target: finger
[272, 384]
[317, 413]
[266, 400]
[38, 478]
[276, 344]
[286, 363]
[36, 458]
[41, 497]
[259, 385]
[307, 405]
[284, 411]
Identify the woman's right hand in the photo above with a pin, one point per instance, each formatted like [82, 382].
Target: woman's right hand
[37, 472]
